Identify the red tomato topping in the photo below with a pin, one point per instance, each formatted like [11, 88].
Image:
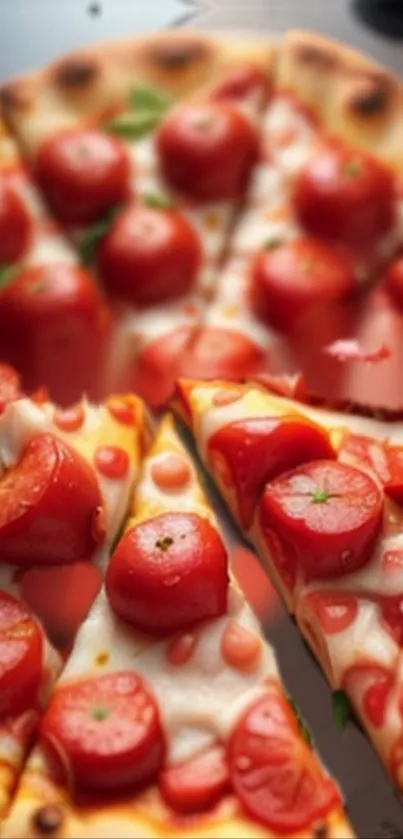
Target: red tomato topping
[20, 657]
[248, 453]
[15, 224]
[120, 411]
[49, 500]
[335, 610]
[149, 255]
[291, 386]
[181, 649]
[327, 514]
[10, 386]
[112, 461]
[376, 684]
[392, 615]
[168, 572]
[197, 784]
[158, 366]
[226, 397]
[242, 83]
[290, 279]
[171, 472]
[106, 731]
[207, 150]
[222, 354]
[52, 326]
[273, 771]
[386, 462]
[346, 196]
[240, 647]
[69, 419]
[84, 173]
[394, 282]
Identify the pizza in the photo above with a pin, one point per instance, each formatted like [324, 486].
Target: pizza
[319, 493]
[169, 716]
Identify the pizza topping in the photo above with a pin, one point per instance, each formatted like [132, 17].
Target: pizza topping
[105, 731]
[240, 648]
[341, 709]
[10, 386]
[171, 472]
[385, 461]
[48, 819]
[84, 173]
[20, 657]
[222, 354]
[240, 84]
[207, 150]
[291, 386]
[351, 350]
[248, 453]
[392, 615]
[48, 503]
[15, 225]
[377, 683]
[274, 772]
[148, 106]
[120, 410]
[327, 513]
[394, 282]
[69, 419]
[112, 461]
[149, 255]
[346, 196]
[335, 610]
[294, 277]
[197, 784]
[181, 649]
[168, 572]
[226, 397]
[159, 364]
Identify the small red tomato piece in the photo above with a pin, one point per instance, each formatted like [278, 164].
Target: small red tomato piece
[242, 83]
[20, 657]
[222, 354]
[159, 364]
[393, 282]
[274, 773]
[112, 462]
[335, 611]
[346, 196]
[290, 279]
[84, 173]
[197, 784]
[10, 386]
[105, 731]
[392, 615]
[49, 500]
[149, 255]
[171, 473]
[207, 151]
[69, 419]
[168, 572]
[15, 224]
[385, 461]
[53, 325]
[248, 453]
[327, 514]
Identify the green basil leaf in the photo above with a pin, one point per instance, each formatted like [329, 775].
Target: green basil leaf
[272, 243]
[144, 98]
[8, 274]
[303, 728]
[133, 126]
[157, 201]
[94, 235]
[341, 709]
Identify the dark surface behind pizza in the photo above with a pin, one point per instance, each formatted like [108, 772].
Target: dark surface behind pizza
[33, 32]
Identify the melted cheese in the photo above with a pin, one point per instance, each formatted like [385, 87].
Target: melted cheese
[48, 248]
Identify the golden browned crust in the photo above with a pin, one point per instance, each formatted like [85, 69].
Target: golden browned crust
[354, 98]
[84, 85]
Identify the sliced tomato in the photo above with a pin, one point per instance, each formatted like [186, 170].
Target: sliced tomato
[197, 784]
[49, 503]
[273, 771]
[112, 462]
[335, 610]
[247, 453]
[374, 684]
[328, 514]
[159, 365]
[222, 354]
[104, 732]
[392, 615]
[10, 385]
[168, 572]
[384, 460]
[241, 84]
[21, 648]
[15, 224]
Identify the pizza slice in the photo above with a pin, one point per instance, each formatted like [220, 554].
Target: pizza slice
[144, 150]
[170, 717]
[66, 477]
[319, 494]
[321, 226]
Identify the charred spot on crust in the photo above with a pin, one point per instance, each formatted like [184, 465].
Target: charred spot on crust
[178, 56]
[12, 98]
[372, 98]
[320, 831]
[76, 72]
[318, 56]
[46, 820]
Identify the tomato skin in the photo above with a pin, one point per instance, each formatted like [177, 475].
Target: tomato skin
[278, 780]
[50, 499]
[149, 255]
[393, 282]
[290, 279]
[206, 151]
[15, 224]
[334, 610]
[385, 461]
[196, 784]
[10, 386]
[326, 514]
[159, 364]
[108, 730]
[222, 354]
[21, 650]
[164, 597]
[53, 325]
[242, 83]
[378, 683]
[346, 196]
[257, 450]
[84, 173]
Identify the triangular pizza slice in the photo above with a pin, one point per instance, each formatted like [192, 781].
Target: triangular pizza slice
[66, 478]
[143, 149]
[169, 717]
[320, 495]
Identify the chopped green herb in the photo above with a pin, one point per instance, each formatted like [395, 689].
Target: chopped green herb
[320, 496]
[341, 709]
[93, 236]
[304, 730]
[100, 714]
[8, 274]
[133, 126]
[149, 99]
[157, 201]
[271, 244]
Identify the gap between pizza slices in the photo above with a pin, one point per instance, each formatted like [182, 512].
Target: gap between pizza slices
[66, 478]
[319, 494]
[171, 687]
